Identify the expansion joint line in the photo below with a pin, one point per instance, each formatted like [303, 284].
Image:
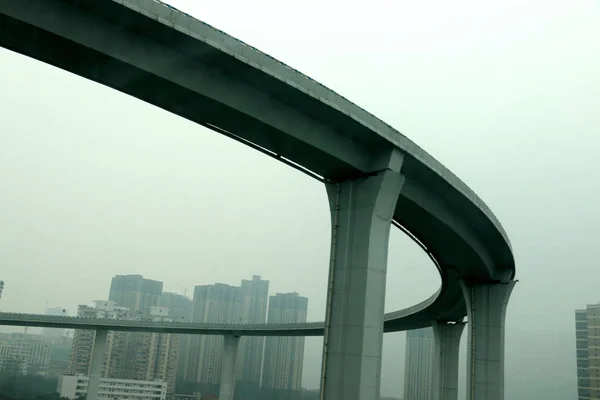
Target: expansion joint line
[328, 311]
[473, 342]
[443, 352]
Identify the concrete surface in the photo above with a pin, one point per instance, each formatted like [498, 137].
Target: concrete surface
[98, 355]
[445, 361]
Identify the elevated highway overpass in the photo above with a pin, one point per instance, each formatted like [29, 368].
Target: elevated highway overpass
[185, 328]
[375, 177]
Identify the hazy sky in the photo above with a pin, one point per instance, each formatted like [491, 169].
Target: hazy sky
[506, 94]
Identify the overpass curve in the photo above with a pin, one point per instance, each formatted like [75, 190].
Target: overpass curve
[167, 58]
[192, 328]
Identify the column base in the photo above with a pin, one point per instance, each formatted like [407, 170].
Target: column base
[227, 384]
[486, 309]
[445, 361]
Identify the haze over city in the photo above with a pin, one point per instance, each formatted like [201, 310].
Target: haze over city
[96, 183]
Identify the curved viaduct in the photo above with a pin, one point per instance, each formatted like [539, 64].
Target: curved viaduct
[374, 176]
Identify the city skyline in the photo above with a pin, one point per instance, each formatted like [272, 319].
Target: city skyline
[168, 299]
[198, 358]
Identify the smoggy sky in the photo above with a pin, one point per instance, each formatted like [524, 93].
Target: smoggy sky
[506, 94]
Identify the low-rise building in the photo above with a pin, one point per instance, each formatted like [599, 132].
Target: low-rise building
[71, 387]
[23, 354]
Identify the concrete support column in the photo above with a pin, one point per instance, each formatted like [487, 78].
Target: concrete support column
[445, 359]
[98, 355]
[362, 210]
[228, 367]
[486, 309]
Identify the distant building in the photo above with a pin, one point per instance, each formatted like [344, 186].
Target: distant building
[83, 341]
[24, 354]
[72, 387]
[418, 368]
[60, 355]
[255, 296]
[180, 309]
[129, 355]
[284, 356]
[1, 288]
[180, 306]
[152, 355]
[54, 332]
[135, 292]
[587, 337]
[219, 303]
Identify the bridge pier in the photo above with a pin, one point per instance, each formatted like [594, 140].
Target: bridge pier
[230, 349]
[445, 359]
[486, 310]
[362, 210]
[97, 363]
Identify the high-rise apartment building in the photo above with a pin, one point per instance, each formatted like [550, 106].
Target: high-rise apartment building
[218, 303]
[83, 341]
[1, 288]
[180, 309]
[54, 332]
[154, 356]
[587, 336]
[135, 292]
[284, 356]
[129, 355]
[255, 296]
[418, 370]
[180, 306]
[221, 303]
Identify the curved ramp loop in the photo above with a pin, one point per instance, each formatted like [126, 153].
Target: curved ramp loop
[376, 175]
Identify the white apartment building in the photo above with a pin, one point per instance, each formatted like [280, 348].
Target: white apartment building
[24, 354]
[71, 387]
[418, 370]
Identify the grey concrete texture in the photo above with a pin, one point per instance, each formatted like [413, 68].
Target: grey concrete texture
[98, 355]
[445, 362]
[230, 351]
[487, 306]
[362, 211]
